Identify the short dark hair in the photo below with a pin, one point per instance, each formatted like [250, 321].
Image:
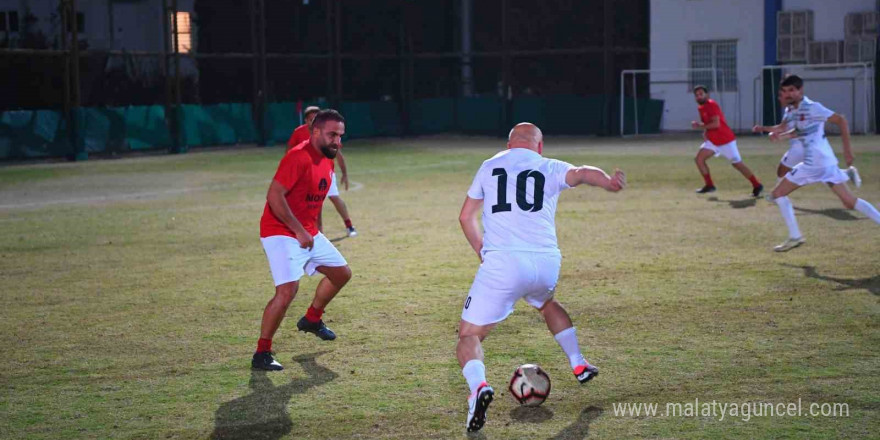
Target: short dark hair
[792, 80]
[327, 115]
[701, 87]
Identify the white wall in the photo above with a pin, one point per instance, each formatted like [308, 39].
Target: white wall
[674, 23]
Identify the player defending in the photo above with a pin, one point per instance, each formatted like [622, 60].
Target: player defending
[300, 135]
[807, 123]
[517, 191]
[795, 153]
[290, 236]
[718, 140]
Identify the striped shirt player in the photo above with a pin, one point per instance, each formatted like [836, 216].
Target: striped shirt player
[517, 191]
[806, 123]
[719, 140]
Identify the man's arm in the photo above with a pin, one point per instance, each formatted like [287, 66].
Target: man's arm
[778, 128]
[278, 205]
[840, 121]
[714, 123]
[595, 177]
[470, 225]
[344, 179]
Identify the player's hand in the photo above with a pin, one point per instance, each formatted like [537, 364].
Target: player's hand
[774, 136]
[849, 158]
[344, 181]
[757, 129]
[306, 241]
[695, 125]
[617, 182]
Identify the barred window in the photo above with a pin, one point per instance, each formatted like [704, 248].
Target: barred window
[183, 39]
[719, 55]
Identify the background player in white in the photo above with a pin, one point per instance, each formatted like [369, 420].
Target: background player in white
[517, 191]
[819, 165]
[795, 153]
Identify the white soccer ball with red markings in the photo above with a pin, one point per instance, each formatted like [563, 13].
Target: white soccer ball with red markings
[530, 385]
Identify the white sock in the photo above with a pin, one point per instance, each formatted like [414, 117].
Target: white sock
[568, 340]
[868, 209]
[474, 373]
[788, 215]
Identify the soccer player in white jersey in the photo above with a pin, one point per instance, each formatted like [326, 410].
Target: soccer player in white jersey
[807, 123]
[517, 191]
[795, 153]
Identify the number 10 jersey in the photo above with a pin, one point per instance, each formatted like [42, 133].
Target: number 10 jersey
[519, 189]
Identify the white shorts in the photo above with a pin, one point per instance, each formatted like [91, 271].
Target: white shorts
[727, 150]
[334, 190]
[793, 156]
[505, 277]
[804, 175]
[289, 262]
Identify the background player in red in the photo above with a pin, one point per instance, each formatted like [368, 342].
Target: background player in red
[719, 140]
[289, 231]
[300, 135]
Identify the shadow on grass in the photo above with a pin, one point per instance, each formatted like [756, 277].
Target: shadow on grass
[832, 213]
[338, 239]
[263, 413]
[580, 429]
[871, 284]
[736, 204]
[531, 414]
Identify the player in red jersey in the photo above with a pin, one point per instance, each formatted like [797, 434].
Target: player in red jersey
[719, 140]
[300, 135]
[289, 231]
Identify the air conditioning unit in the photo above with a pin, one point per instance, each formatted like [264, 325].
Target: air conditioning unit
[794, 24]
[791, 49]
[853, 25]
[860, 50]
[825, 52]
[870, 26]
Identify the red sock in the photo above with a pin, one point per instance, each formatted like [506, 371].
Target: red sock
[264, 345]
[754, 181]
[313, 314]
[708, 179]
[348, 223]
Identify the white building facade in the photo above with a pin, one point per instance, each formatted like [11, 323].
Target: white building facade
[733, 40]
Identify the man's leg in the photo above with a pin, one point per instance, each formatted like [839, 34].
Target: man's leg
[559, 323]
[469, 352]
[339, 204]
[851, 202]
[780, 196]
[273, 314]
[747, 173]
[334, 279]
[702, 156]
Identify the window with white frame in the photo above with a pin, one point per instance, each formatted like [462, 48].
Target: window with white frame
[719, 55]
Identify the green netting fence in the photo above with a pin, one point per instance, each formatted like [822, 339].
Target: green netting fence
[46, 133]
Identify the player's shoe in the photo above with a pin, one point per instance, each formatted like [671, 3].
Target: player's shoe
[854, 176]
[317, 328]
[478, 403]
[790, 244]
[263, 360]
[756, 191]
[706, 189]
[352, 232]
[585, 373]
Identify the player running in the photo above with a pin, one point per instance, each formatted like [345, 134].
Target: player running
[294, 246]
[807, 123]
[517, 191]
[795, 153]
[718, 140]
[300, 135]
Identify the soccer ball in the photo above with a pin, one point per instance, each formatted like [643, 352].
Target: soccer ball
[530, 385]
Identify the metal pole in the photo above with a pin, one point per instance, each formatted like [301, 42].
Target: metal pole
[337, 42]
[78, 152]
[506, 104]
[636, 104]
[329, 24]
[622, 92]
[177, 99]
[264, 95]
[467, 73]
[608, 61]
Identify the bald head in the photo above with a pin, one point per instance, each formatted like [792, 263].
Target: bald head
[526, 135]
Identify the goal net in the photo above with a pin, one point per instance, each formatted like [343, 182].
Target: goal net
[847, 89]
[671, 90]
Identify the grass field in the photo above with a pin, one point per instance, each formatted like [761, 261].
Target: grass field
[132, 291]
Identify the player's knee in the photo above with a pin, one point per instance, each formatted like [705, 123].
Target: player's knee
[341, 276]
